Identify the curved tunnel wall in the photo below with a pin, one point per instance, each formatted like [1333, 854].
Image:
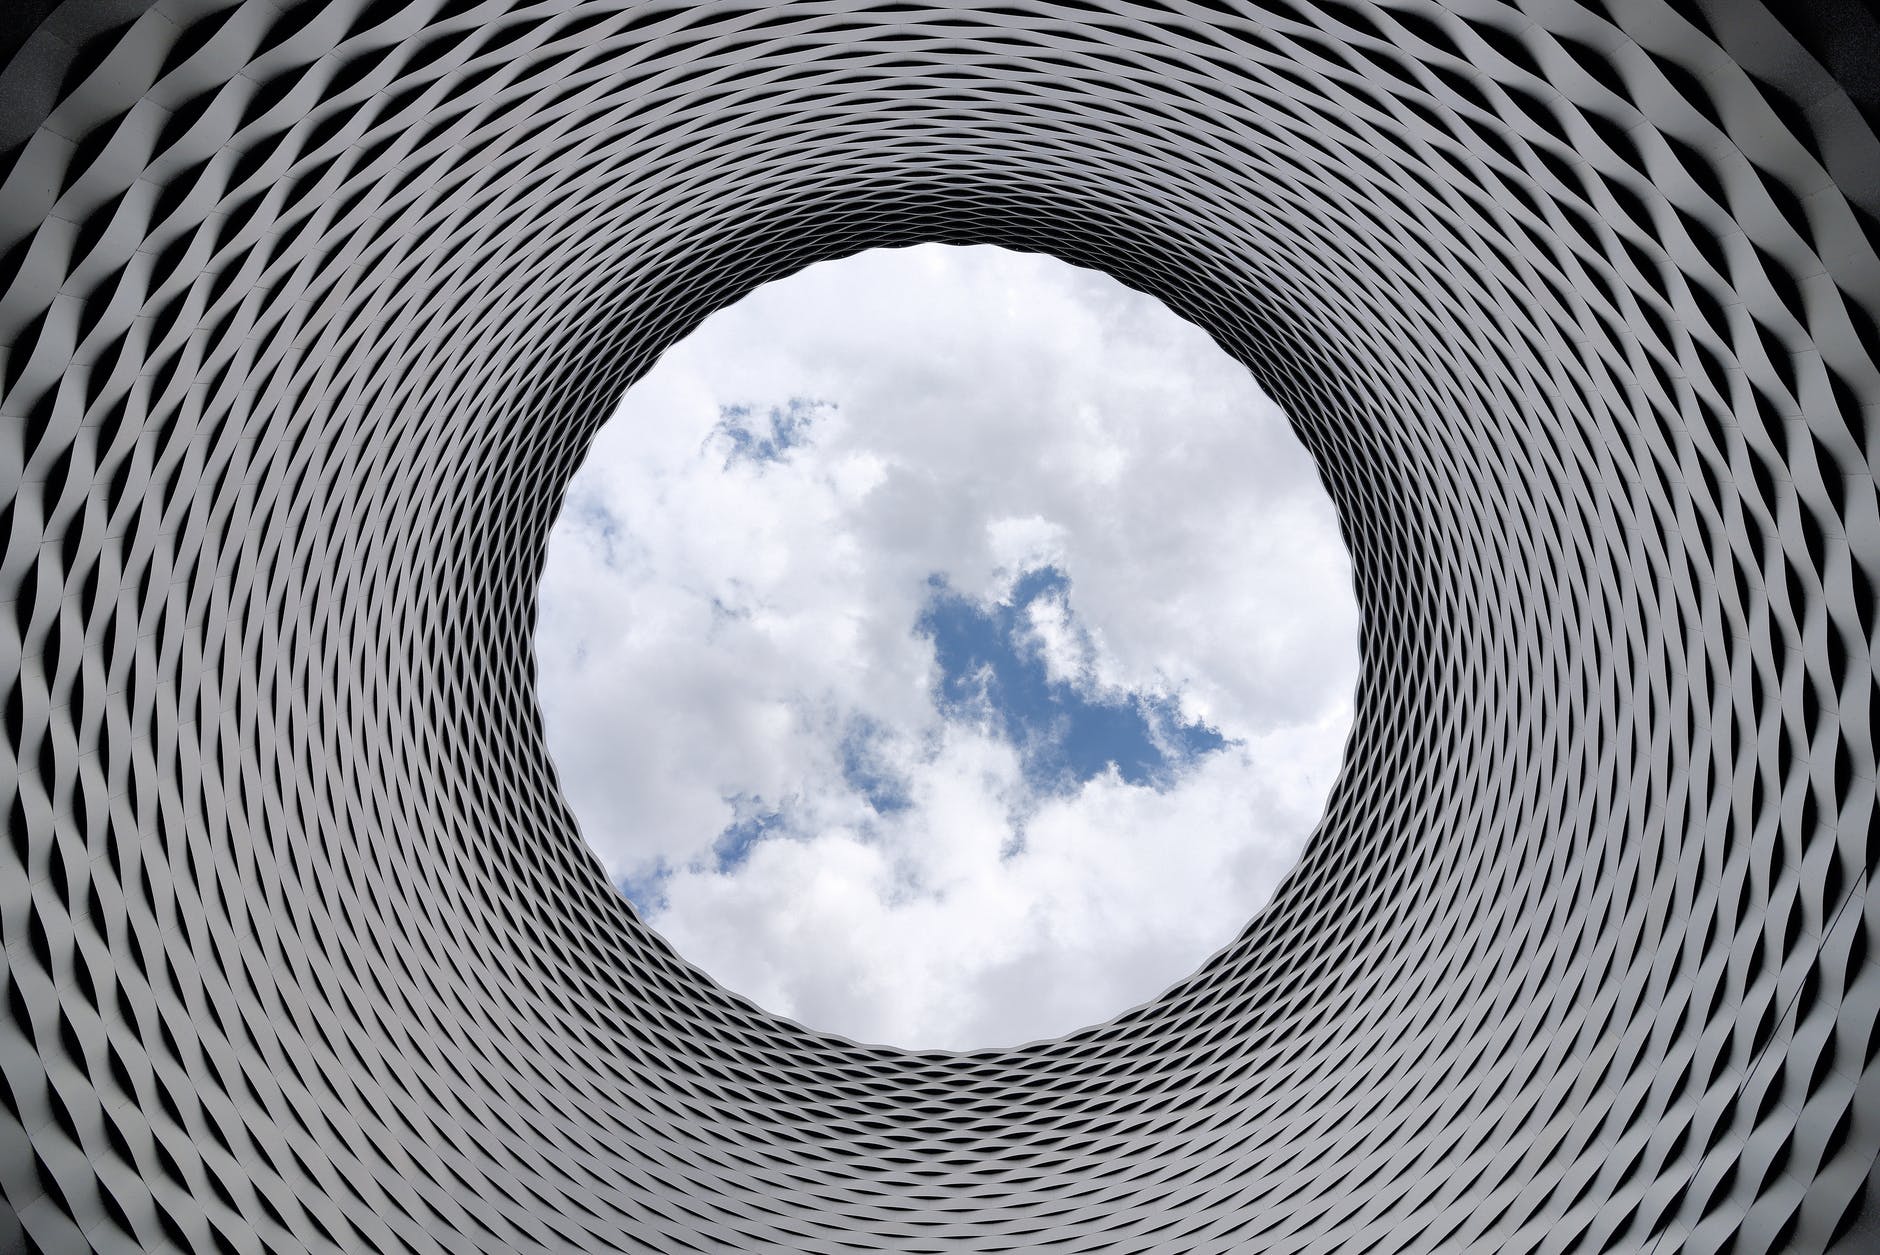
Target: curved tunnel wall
[310, 310]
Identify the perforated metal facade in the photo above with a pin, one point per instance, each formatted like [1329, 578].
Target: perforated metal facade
[309, 311]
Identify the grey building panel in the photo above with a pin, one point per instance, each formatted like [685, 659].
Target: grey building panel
[309, 311]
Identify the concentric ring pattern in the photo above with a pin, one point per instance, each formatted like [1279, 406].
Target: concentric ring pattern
[309, 311]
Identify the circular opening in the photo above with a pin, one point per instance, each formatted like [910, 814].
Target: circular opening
[947, 647]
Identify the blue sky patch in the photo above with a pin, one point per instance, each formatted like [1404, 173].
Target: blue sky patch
[761, 438]
[646, 889]
[755, 822]
[992, 669]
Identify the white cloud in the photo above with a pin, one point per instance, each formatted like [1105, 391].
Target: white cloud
[717, 629]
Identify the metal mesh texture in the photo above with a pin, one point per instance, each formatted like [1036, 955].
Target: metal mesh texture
[309, 311]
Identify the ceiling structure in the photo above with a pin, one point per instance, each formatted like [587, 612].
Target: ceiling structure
[310, 310]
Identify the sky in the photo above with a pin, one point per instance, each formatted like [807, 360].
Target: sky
[947, 647]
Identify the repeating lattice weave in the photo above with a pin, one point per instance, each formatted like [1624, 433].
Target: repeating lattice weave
[309, 310]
